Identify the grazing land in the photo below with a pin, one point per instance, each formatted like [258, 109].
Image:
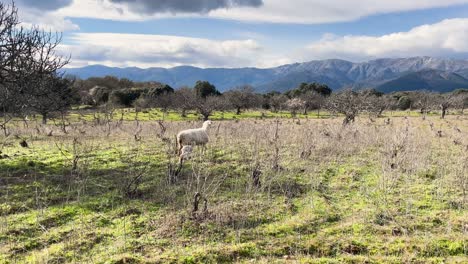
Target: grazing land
[281, 190]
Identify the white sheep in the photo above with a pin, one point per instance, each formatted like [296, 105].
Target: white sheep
[194, 136]
[186, 153]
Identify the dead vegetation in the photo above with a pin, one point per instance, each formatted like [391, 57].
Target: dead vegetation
[262, 189]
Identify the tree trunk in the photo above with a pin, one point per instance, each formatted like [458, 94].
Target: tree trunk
[238, 111]
[318, 112]
[379, 114]
[205, 117]
[196, 201]
[444, 111]
[348, 119]
[4, 123]
[44, 118]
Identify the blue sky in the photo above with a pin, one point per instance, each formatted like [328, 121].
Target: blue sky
[244, 33]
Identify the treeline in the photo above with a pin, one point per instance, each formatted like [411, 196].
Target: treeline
[104, 93]
[205, 98]
[32, 83]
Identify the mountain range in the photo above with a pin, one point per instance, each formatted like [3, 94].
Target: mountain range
[387, 75]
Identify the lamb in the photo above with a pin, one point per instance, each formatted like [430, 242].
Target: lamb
[186, 153]
[195, 136]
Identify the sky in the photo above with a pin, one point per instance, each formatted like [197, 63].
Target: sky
[249, 33]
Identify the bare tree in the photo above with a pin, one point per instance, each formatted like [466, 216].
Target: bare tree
[424, 100]
[313, 94]
[184, 100]
[50, 94]
[348, 103]
[461, 99]
[313, 100]
[206, 106]
[242, 97]
[26, 57]
[294, 105]
[445, 101]
[374, 102]
[277, 101]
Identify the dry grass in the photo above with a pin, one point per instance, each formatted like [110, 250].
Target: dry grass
[285, 190]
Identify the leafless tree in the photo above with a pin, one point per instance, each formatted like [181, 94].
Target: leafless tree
[461, 99]
[313, 100]
[242, 97]
[206, 106]
[50, 94]
[277, 101]
[374, 102]
[26, 57]
[424, 100]
[445, 101]
[346, 102]
[184, 100]
[294, 105]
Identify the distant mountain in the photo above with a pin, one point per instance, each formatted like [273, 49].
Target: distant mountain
[428, 79]
[382, 73]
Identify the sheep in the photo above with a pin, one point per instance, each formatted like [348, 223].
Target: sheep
[186, 153]
[195, 136]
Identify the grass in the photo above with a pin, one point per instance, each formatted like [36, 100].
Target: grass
[328, 194]
[91, 114]
[130, 114]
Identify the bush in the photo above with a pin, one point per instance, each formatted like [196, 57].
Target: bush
[126, 97]
[154, 92]
[99, 94]
[404, 103]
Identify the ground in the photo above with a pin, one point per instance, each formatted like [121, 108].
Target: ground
[308, 190]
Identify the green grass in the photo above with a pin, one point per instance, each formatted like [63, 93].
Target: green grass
[129, 114]
[90, 114]
[327, 208]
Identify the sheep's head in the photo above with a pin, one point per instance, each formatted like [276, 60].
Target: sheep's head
[207, 123]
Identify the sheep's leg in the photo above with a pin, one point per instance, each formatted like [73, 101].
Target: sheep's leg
[196, 201]
[180, 145]
[179, 168]
[179, 151]
[203, 149]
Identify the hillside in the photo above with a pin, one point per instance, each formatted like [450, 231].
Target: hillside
[432, 80]
[335, 73]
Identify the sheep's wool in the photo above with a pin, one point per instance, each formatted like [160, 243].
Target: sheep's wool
[194, 136]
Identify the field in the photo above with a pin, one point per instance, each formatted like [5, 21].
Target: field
[270, 190]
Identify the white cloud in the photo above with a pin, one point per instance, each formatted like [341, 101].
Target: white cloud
[292, 11]
[101, 9]
[122, 50]
[47, 19]
[56, 16]
[325, 11]
[447, 38]
[45, 5]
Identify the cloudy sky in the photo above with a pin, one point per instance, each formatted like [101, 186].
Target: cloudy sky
[249, 33]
